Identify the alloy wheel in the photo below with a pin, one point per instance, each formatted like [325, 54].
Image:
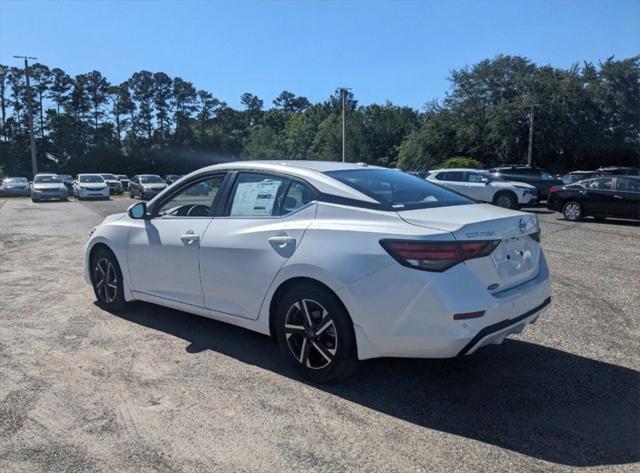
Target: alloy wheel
[311, 334]
[504, 201]
[572, 211]
[105, 279]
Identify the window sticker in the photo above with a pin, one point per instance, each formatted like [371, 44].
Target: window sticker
[255, 199]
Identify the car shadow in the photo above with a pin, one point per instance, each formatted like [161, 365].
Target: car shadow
[542, 402]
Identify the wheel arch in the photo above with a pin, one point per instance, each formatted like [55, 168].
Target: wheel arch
[293, 282]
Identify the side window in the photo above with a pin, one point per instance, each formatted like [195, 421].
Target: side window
[474, 177]
[627, 184]
[298, 195]
[193, 201]
[441, 176]
[456, 176]
[257, 195]
[135, 179]
[605, 184]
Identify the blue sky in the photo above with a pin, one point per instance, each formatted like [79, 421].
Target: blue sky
[399, 51]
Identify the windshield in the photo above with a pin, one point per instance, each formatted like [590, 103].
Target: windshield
[398, 190]
[91, 179]
[109, 177]
[492, 177]
[151, 180]
[47, 180]
[65, 177]
[15, 180]
[122, 176]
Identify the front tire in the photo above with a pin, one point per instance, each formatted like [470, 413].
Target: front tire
[315, 334]
[506, 200]
[573, 211]
[106, 279]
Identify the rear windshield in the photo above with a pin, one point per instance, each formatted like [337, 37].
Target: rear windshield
[122, 176]
[46, 179]
[93, 179]
[151, 179]
[398, 190]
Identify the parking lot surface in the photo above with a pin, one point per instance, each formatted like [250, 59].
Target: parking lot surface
[154, 389]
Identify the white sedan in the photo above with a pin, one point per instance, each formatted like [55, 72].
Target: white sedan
[340, 262]
[90, 186]
[485, 187]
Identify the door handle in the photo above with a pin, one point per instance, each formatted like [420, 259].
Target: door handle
[282, 241]
[190, 237]
[618, 197]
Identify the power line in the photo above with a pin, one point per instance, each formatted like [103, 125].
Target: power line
[32, 141]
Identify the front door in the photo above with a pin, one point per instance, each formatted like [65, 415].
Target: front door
[164, 250]
[242, 252]
[599, 198]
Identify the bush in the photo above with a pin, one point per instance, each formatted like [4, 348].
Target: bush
[460, 162]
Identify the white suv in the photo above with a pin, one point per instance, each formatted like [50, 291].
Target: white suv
[485, 187]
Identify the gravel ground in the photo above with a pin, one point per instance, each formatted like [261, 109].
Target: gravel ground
[153, 389]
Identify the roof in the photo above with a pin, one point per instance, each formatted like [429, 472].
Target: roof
[457, 170]
[311, 171]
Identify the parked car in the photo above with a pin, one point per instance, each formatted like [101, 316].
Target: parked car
[618, 171]
[338, 261]
[485, 187]
[171, 178]
[575, 176]
[124, 180]
[146, 186]
[115, 186]
[91, 186]
[15, 186]
[48, 187]
[538, 177]
[68, 182]
[611, 196]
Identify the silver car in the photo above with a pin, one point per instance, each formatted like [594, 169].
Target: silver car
[15, 186]
[48, 187]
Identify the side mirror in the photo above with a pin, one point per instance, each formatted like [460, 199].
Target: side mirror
[138, 211]
[484, 180]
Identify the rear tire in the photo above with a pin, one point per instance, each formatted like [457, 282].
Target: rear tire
[106, 279]
[505, 199]
[315, 334]
[573, 211]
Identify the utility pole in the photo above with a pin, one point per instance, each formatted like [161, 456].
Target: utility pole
[530, 150]
[32, 141]
[343, 94]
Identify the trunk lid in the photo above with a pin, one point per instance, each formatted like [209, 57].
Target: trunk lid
[515, 260]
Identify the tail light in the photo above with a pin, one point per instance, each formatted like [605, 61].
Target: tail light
[436, 255]
[554, 189]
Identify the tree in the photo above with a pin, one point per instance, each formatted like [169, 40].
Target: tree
[288, 102]
[41, 76]
[253, 106]
[163, 90]
[97, 89]
[142, 87]
[59, 88]
[121, 107]
[4, 73]
[184, 103]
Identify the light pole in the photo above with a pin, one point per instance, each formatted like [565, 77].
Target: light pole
[343, 95]
[32, 141]
[530, 148]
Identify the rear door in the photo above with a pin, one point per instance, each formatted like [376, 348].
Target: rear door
[599, 198]
[627, 194]
[453, 180]
[263, 224]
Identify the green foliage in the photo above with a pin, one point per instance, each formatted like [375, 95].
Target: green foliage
[584, 117]
[460, 162]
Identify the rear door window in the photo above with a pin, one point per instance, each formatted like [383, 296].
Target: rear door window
[626, 184]
[455, 176]
[257, 195]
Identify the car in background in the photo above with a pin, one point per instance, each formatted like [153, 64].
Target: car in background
[124, 180]
[15, 186]
[90, 186]
[171, 178]
[485, 187]
[146, 186]
[576, 176]
[339, 262]
[67, 179]
[618, 171]
[48, 187]
[115, 186]
[538, 177]
[601, 197]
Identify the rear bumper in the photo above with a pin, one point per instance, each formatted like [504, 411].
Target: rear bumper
[402, 312]
[15, 192]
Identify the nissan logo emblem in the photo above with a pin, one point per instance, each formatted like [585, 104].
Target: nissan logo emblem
[522, 226]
